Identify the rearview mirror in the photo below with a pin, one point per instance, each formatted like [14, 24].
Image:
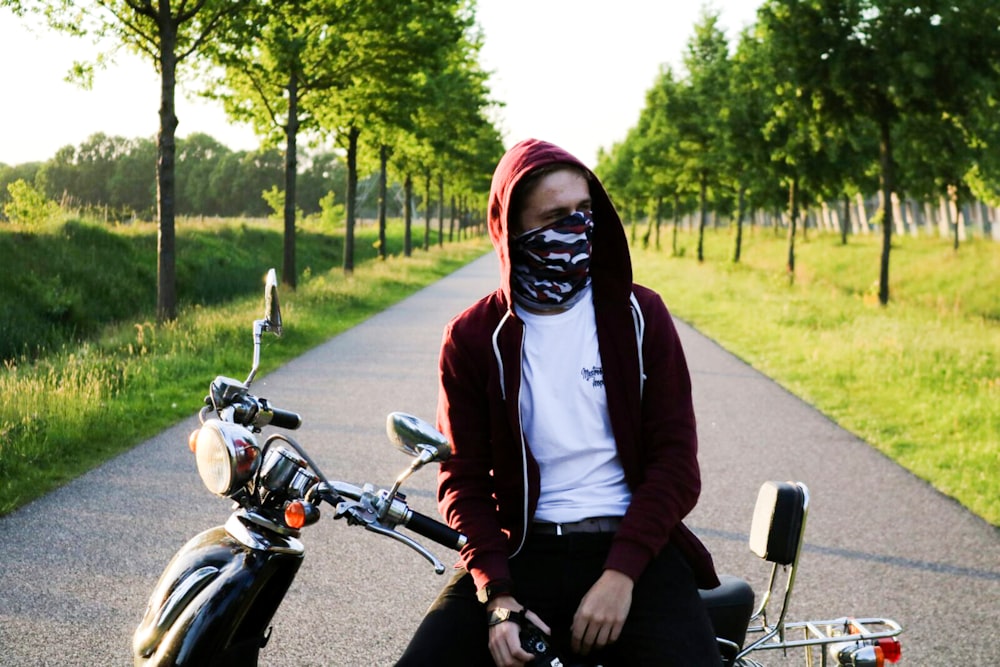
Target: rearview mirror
[272, 311]
[415, 437]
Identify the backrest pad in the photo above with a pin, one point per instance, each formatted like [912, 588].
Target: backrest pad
[777, 521]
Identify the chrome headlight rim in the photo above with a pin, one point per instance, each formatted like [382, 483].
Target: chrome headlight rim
[227, 456]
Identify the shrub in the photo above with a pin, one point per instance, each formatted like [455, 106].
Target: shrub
[28, 205]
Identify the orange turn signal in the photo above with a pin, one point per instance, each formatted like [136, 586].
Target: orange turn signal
[193, 440]
[295, 515]
[299, 513]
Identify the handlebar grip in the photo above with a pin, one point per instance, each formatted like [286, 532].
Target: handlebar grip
[435, 530]
[285, 419]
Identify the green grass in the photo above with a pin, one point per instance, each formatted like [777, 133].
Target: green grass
[65, 281]
[70, 408]
[919, 379]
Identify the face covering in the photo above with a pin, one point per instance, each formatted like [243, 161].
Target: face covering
[550, 266]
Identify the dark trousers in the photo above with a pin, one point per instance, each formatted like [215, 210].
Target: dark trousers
[667, 623]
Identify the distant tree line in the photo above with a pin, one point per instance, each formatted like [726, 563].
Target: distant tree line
[822, 103]
[114, 178]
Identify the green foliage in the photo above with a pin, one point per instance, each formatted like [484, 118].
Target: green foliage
[918, 380]
[275, 199]
[141, 377]
[27, 205]
[331, 213]
[114, 178]
[96, 275]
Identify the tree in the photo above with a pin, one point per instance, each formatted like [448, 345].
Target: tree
[167, 33]
[198, 156]
[299, 50]
[702, 146]
[850, 62]
[746, 112]
[411, 46]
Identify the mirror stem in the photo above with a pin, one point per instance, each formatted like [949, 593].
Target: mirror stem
[403, 476]
[259, 326]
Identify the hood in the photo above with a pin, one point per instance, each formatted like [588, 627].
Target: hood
[610, 264]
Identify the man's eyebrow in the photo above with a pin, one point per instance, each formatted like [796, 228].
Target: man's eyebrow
[559, 209]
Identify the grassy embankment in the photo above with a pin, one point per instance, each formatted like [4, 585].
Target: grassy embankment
[67, 405]
[918, 379]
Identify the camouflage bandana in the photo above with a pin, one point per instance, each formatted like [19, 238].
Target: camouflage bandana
[550, 266]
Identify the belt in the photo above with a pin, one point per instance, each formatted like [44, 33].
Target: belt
[597, 524]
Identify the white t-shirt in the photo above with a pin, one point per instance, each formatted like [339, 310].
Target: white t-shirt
[564, 414]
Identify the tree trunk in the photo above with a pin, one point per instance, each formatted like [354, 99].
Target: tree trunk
[887, 183]
[703, 214]
[957, 199]
[451, 222]
[166, 151]
[291, 160]
[383, 177]
[649, 228]
[352, 192]
[441, 210]
[738, 246]
[677, 223]
[793, 215]
[427, 210]
[659, 220]
[845, 222]
[407, 215]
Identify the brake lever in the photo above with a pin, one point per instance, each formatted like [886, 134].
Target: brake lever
[360, 514]
[376, 527]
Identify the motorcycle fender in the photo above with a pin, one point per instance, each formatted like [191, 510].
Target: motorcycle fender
[215, 599]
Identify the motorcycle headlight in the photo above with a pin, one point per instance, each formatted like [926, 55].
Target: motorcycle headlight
[227, 456]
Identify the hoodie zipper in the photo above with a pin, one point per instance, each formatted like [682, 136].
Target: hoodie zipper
[520, 429]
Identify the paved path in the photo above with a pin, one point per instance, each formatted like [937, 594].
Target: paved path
[76, 566]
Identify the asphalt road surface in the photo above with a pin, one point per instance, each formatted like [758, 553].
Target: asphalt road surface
[77, 566]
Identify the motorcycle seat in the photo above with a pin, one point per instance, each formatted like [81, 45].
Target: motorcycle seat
[730, 606]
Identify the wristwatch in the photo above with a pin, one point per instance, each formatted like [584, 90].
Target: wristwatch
[498, 616]
[502, 614]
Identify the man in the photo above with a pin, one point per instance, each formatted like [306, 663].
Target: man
[567, 399]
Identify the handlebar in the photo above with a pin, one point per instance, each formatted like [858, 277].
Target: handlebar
[359, 506]
[434, 530]
[284, 418]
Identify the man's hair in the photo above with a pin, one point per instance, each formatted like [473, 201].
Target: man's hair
[527, 185]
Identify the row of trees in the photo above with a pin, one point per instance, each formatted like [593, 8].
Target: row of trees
[400, 78]
[819, 101]
[115, 177]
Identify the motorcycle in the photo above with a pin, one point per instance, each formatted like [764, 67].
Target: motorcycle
[776, 535]
[214, 602]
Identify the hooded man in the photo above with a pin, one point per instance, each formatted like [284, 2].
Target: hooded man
[567, 400]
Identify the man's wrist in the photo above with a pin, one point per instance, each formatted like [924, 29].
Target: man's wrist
[502, 601]
[502, 614]
[493, 590]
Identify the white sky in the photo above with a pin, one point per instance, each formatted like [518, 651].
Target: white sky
[573, 72]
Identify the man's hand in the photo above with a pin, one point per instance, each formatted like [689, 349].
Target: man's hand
[602, 612]
[505, 640]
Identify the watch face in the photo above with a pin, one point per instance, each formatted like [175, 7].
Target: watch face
[499, 615]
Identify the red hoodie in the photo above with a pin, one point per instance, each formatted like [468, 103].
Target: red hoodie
[489, 488]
